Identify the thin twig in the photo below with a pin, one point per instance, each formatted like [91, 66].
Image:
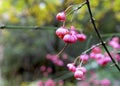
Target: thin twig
[80, 6]
[99, 36]
[86, 51]
[27, 27]
[63, 49]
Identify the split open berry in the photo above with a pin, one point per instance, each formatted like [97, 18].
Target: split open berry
[60, 32]
[71, 67]
[84, 57]
[69, 38]
[78, 75]
[83, 69]
[61, 16]
[81, 37]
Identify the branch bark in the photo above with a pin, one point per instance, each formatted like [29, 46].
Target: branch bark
[99, 36]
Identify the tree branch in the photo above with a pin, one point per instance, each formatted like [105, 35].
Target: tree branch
[99, 36]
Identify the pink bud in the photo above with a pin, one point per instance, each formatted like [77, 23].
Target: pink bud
[61, 16]
[60, 32]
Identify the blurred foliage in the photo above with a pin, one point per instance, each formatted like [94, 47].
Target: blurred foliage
[25, 50]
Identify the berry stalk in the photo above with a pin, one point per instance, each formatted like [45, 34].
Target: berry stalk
[99, 36]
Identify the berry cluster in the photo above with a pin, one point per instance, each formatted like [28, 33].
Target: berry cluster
[54, 58]
[101, 59]
[71, 36]
[68, 35]
[45, 70]
[50, 82]
[79, 72]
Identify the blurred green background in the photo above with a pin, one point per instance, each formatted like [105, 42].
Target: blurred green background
[25, 50]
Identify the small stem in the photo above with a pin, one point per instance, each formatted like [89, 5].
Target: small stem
[80, 6]
[62, 49]
[63, 24]
[91, 48]
[68, 8]
[76, 59]
[99, 36]
[81, 63]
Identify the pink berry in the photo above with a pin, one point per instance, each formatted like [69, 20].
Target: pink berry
[60, 63]
[116, 39]
[105, 82]
[117, 56]
[78, 75]
[81, 37]
[64, 56]
[102, 62]
[114, 44]
[92, 55]
[49, 69]
[61, 16]
[60, 32]
[69, 38]
[50, 82]
[107, 59]
[97, 50]
[99, 56]
[83, 69]
[73, 31]
[84, 57]
[43, 68]
[71, 67]
[40, 83]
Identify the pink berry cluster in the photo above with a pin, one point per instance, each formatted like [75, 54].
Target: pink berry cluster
[79, 72]
[45, 70]
[96, 82]
[50, 82]
[68, 35]
[97, 55]
[54, 58]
